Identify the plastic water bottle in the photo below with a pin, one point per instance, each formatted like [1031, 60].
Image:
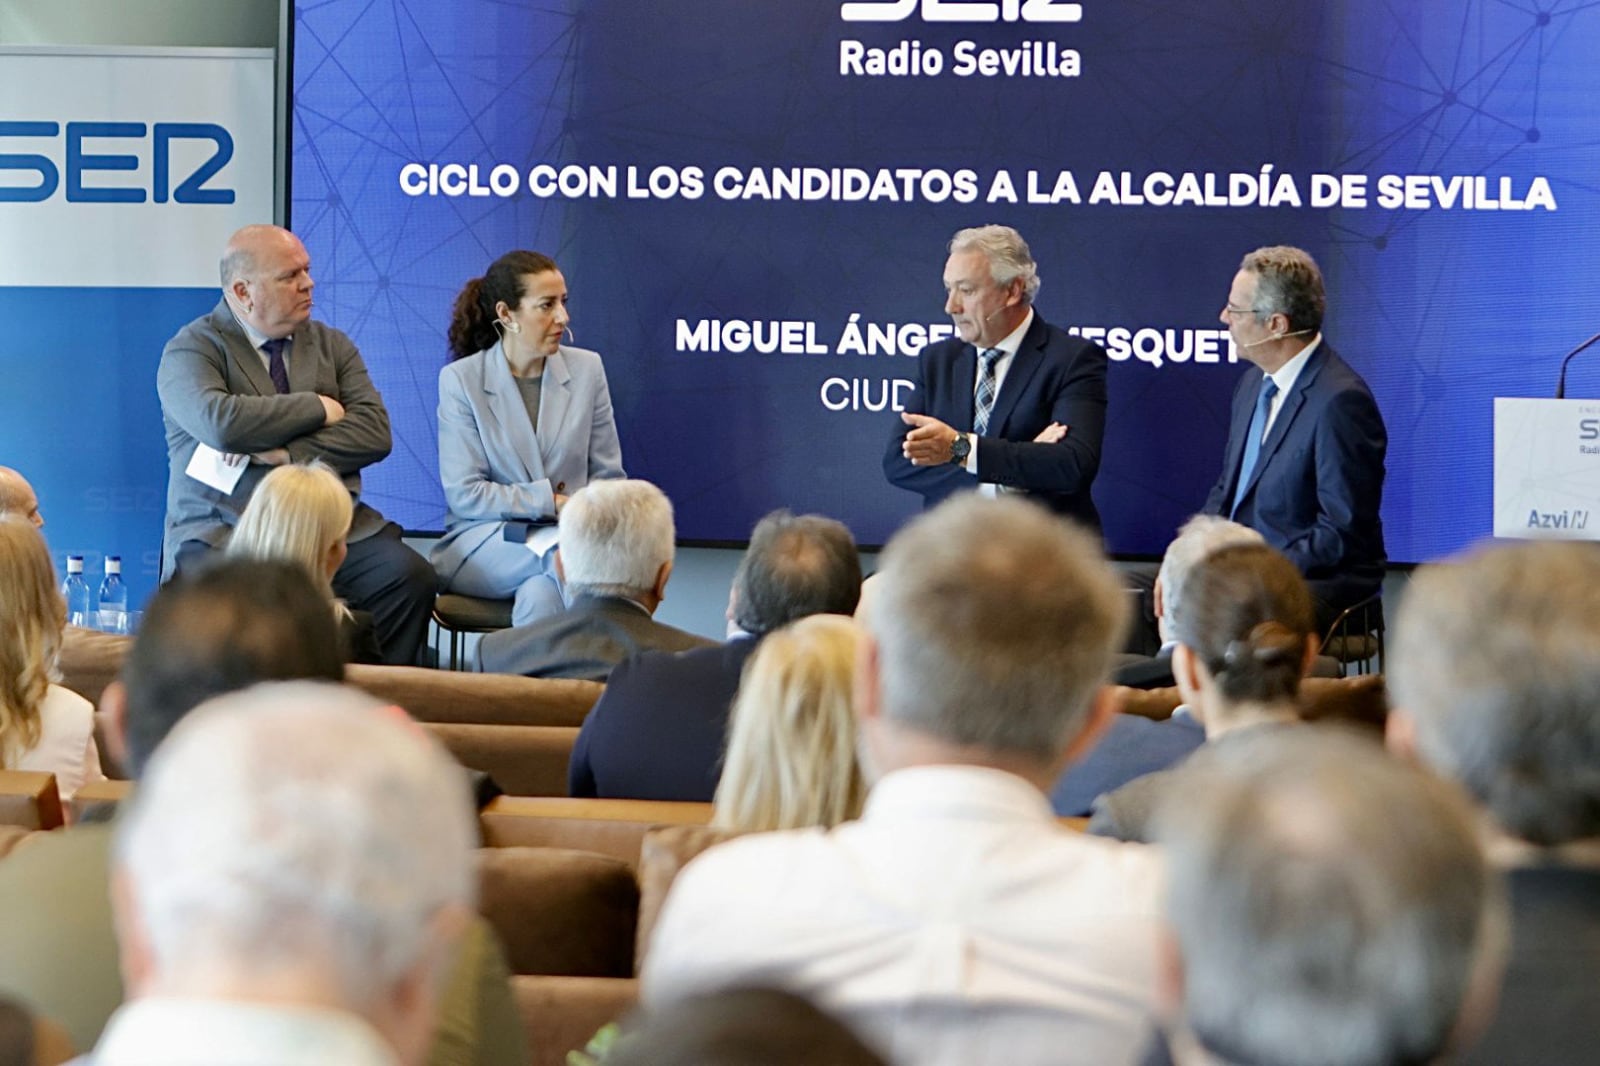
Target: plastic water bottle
[76, 592]
[113, 598]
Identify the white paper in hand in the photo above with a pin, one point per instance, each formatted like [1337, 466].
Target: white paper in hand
[542, 538]
[217, 470]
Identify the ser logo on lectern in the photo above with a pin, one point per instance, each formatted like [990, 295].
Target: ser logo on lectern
[102, 149]
[963, 11]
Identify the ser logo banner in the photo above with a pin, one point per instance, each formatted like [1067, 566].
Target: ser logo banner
[963, 11]
[89, 151]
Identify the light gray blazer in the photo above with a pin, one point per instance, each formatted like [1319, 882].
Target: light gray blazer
[215, 390]
[492, 465]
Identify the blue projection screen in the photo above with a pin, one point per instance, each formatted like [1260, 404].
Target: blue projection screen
[750, 200]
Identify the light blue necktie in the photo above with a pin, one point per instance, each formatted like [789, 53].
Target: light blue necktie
[1252, 440]
[983, 400]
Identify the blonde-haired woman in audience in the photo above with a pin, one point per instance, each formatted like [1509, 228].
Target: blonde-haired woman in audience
[42, 725]
[791, 758]
[301, 514]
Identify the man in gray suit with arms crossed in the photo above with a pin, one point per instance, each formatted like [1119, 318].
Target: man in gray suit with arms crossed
[256, 384]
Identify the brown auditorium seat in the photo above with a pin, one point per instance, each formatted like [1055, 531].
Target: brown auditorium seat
[559, 911]
[1362, 700]
[561, 1014]
[524, 760]
[98, 795]
[478, 699]
[607, 826]
[664, 853]
[29, 799]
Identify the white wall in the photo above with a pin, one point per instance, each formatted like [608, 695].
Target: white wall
[215, 23]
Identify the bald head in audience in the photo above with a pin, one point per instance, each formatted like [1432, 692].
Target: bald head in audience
[796, 565]
[18, 498]
[220, 629]
[1328, 905]
[295, 868]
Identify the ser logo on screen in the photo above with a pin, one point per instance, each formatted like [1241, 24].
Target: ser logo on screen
[145, 151]
[1589, 429]
[963, 11]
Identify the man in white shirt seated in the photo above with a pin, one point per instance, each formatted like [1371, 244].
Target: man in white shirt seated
[292, 875]
[957, 922]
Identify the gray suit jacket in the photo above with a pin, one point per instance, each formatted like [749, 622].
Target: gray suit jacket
[585, 641]
[214, 390]
[491, 463]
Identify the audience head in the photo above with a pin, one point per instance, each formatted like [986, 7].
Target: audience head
[1495, 668]
[1328, 904]
[990, 634]
[298, 842]
[617, 539]
[219, 629]
[796, 565]
[17, 498]
[1246, 632]
[266, 277]
[791, 759]
[740, 1027]
[30, 639]
[486, 304]
[1288, 283]
[299, 514]
[1196, 539]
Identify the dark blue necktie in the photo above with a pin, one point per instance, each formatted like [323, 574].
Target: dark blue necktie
[275, 365]
[983, 400]
[1252, 440]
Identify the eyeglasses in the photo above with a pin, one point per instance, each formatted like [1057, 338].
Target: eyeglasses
[1233, 312]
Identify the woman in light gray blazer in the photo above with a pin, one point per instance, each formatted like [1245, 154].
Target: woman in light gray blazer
[524, 422]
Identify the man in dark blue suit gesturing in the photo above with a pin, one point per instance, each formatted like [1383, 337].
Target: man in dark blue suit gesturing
[1304, 461]
[1011, 404]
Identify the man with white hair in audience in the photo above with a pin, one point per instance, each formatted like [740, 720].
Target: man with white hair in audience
[1133, 746]
[1494, 673]
[617, 545]
[18, 498]
[956, 922]
[289, 903]
[1327, 905]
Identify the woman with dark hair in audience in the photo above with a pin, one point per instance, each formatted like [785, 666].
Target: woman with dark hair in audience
[43, 726]
[791, 756]
[524, 422]
[1245, 639]
[301, 515]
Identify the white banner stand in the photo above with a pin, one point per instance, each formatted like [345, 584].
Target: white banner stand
[1547, 469]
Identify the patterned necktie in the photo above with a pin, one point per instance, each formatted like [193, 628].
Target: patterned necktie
[983, 399]
[275, 365]
[1252, 441]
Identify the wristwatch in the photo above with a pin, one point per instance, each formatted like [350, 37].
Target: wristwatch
[960, 448]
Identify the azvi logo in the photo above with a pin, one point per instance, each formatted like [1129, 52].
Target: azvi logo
[963, 11]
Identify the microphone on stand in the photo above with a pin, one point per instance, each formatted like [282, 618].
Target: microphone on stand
[1561, 382]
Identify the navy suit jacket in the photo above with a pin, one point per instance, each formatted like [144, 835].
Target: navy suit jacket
[659, 728]
[1130, 748]
[1318, 483]
[1054, 377]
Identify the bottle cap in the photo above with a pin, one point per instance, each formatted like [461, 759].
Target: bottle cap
[113, 564]
[74, 564]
